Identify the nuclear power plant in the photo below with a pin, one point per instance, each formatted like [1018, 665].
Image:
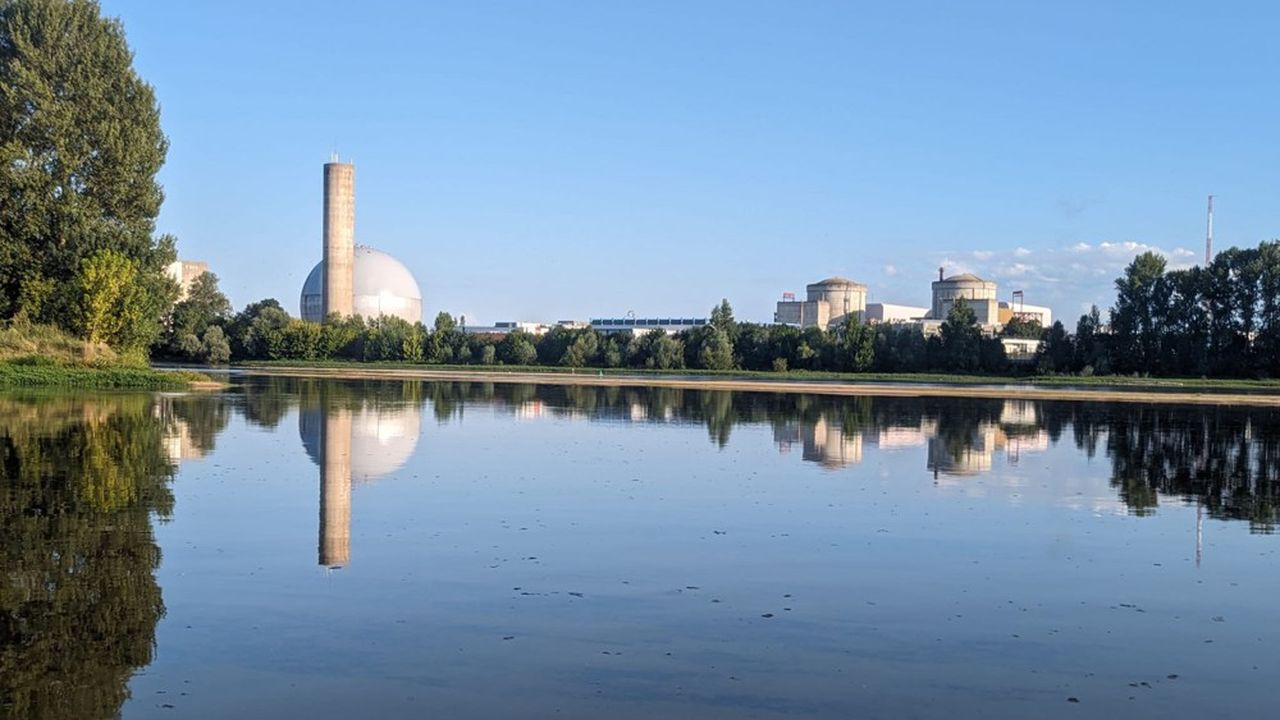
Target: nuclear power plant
[353, 279]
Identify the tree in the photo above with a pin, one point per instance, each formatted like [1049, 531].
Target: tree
[1137, 319]
[445, 323]
[722, 320]
[856, 345]
[204, 306]
[80, 146]
[961, 338]
[1019, 327]
[1057, 351]
[111, 303]
[715, 352]
[1091, 350]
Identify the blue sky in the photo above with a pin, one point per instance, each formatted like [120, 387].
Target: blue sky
[548, 160]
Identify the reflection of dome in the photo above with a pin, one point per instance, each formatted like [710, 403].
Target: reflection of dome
[382, 438]
[382, 284]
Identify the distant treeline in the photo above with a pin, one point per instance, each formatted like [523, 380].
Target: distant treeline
[203, 330]
[1221, 321]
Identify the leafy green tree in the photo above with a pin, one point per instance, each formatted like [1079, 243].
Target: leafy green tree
[214, 348]
[1019, 327]
[1137, 319]
[488, 355]
[856, 345]
[1091, 350]
[582, 352]
[517, 348]
[722, 320]
[715, 351]
[113, 307]
[80, 146]
[961, 338]
[1057, 352]
[204, 306]
[445, 323]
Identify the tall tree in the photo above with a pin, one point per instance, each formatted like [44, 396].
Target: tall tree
[1137, 319]
[80, 146]
[961, 338]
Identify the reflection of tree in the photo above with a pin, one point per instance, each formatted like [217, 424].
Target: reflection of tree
[78, 602]
[1223, 457]
[1226, 458]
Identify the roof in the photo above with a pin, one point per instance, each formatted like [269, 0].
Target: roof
[965, 277]
[838, 282]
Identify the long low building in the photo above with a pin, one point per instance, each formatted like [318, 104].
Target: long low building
[640, 326]
[891, 313]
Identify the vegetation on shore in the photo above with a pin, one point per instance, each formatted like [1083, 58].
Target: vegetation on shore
[43, 356]
[1134, 382]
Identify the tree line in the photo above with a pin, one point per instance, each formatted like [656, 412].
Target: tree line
[203, 329]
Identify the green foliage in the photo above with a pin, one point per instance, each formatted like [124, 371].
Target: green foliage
[1019, 327]
[80, 146]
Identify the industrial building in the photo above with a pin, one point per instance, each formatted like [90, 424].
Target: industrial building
[829, 302]
[353, 279]
[640, 326]
[978, 294]
[185, 272]
[891, 313]
[826, 305]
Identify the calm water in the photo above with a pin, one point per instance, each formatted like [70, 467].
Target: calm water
[314, 549]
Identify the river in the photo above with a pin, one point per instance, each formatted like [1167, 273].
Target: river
[315, 548]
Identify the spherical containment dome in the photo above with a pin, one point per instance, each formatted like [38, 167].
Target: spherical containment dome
[382, 286]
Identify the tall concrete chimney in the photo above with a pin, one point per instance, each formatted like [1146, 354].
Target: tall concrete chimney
[339, 238]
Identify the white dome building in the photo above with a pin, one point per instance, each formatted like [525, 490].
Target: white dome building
[381, 285]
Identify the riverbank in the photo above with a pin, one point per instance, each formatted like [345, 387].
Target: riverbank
[28, 374]
[1145, 390]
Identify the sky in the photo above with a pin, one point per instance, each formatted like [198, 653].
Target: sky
[546, 160]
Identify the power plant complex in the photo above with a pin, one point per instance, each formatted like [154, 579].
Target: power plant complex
[828, 302]
[353, 279]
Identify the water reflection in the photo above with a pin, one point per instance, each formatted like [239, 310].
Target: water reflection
[1225, 458]
[352, 439]
[79, 603]
[85, 477]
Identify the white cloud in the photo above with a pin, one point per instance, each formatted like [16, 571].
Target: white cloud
[1021, 252]
[890, 270]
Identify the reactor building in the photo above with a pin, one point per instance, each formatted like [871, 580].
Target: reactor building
[826, 305]
[353, 279]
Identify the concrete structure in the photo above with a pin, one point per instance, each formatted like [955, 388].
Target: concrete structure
[979, 294]
[185, 272]
[1039, 313]
[353, 279]
[339, 239]
[640, 326]
[826, 304]
[382, 285]
[890, 313]
[507, 327]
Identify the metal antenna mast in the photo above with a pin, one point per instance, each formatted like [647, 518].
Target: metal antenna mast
[1208, 236]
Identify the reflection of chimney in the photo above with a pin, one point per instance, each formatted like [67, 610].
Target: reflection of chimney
[335, 487]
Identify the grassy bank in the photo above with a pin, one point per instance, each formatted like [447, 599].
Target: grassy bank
[42, 356]
[1051, 381]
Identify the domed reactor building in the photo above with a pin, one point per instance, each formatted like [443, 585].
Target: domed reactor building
[352, 279]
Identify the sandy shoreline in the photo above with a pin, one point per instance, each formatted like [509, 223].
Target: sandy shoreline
[881, 389]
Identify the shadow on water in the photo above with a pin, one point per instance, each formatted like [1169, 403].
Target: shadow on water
[85, 477]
